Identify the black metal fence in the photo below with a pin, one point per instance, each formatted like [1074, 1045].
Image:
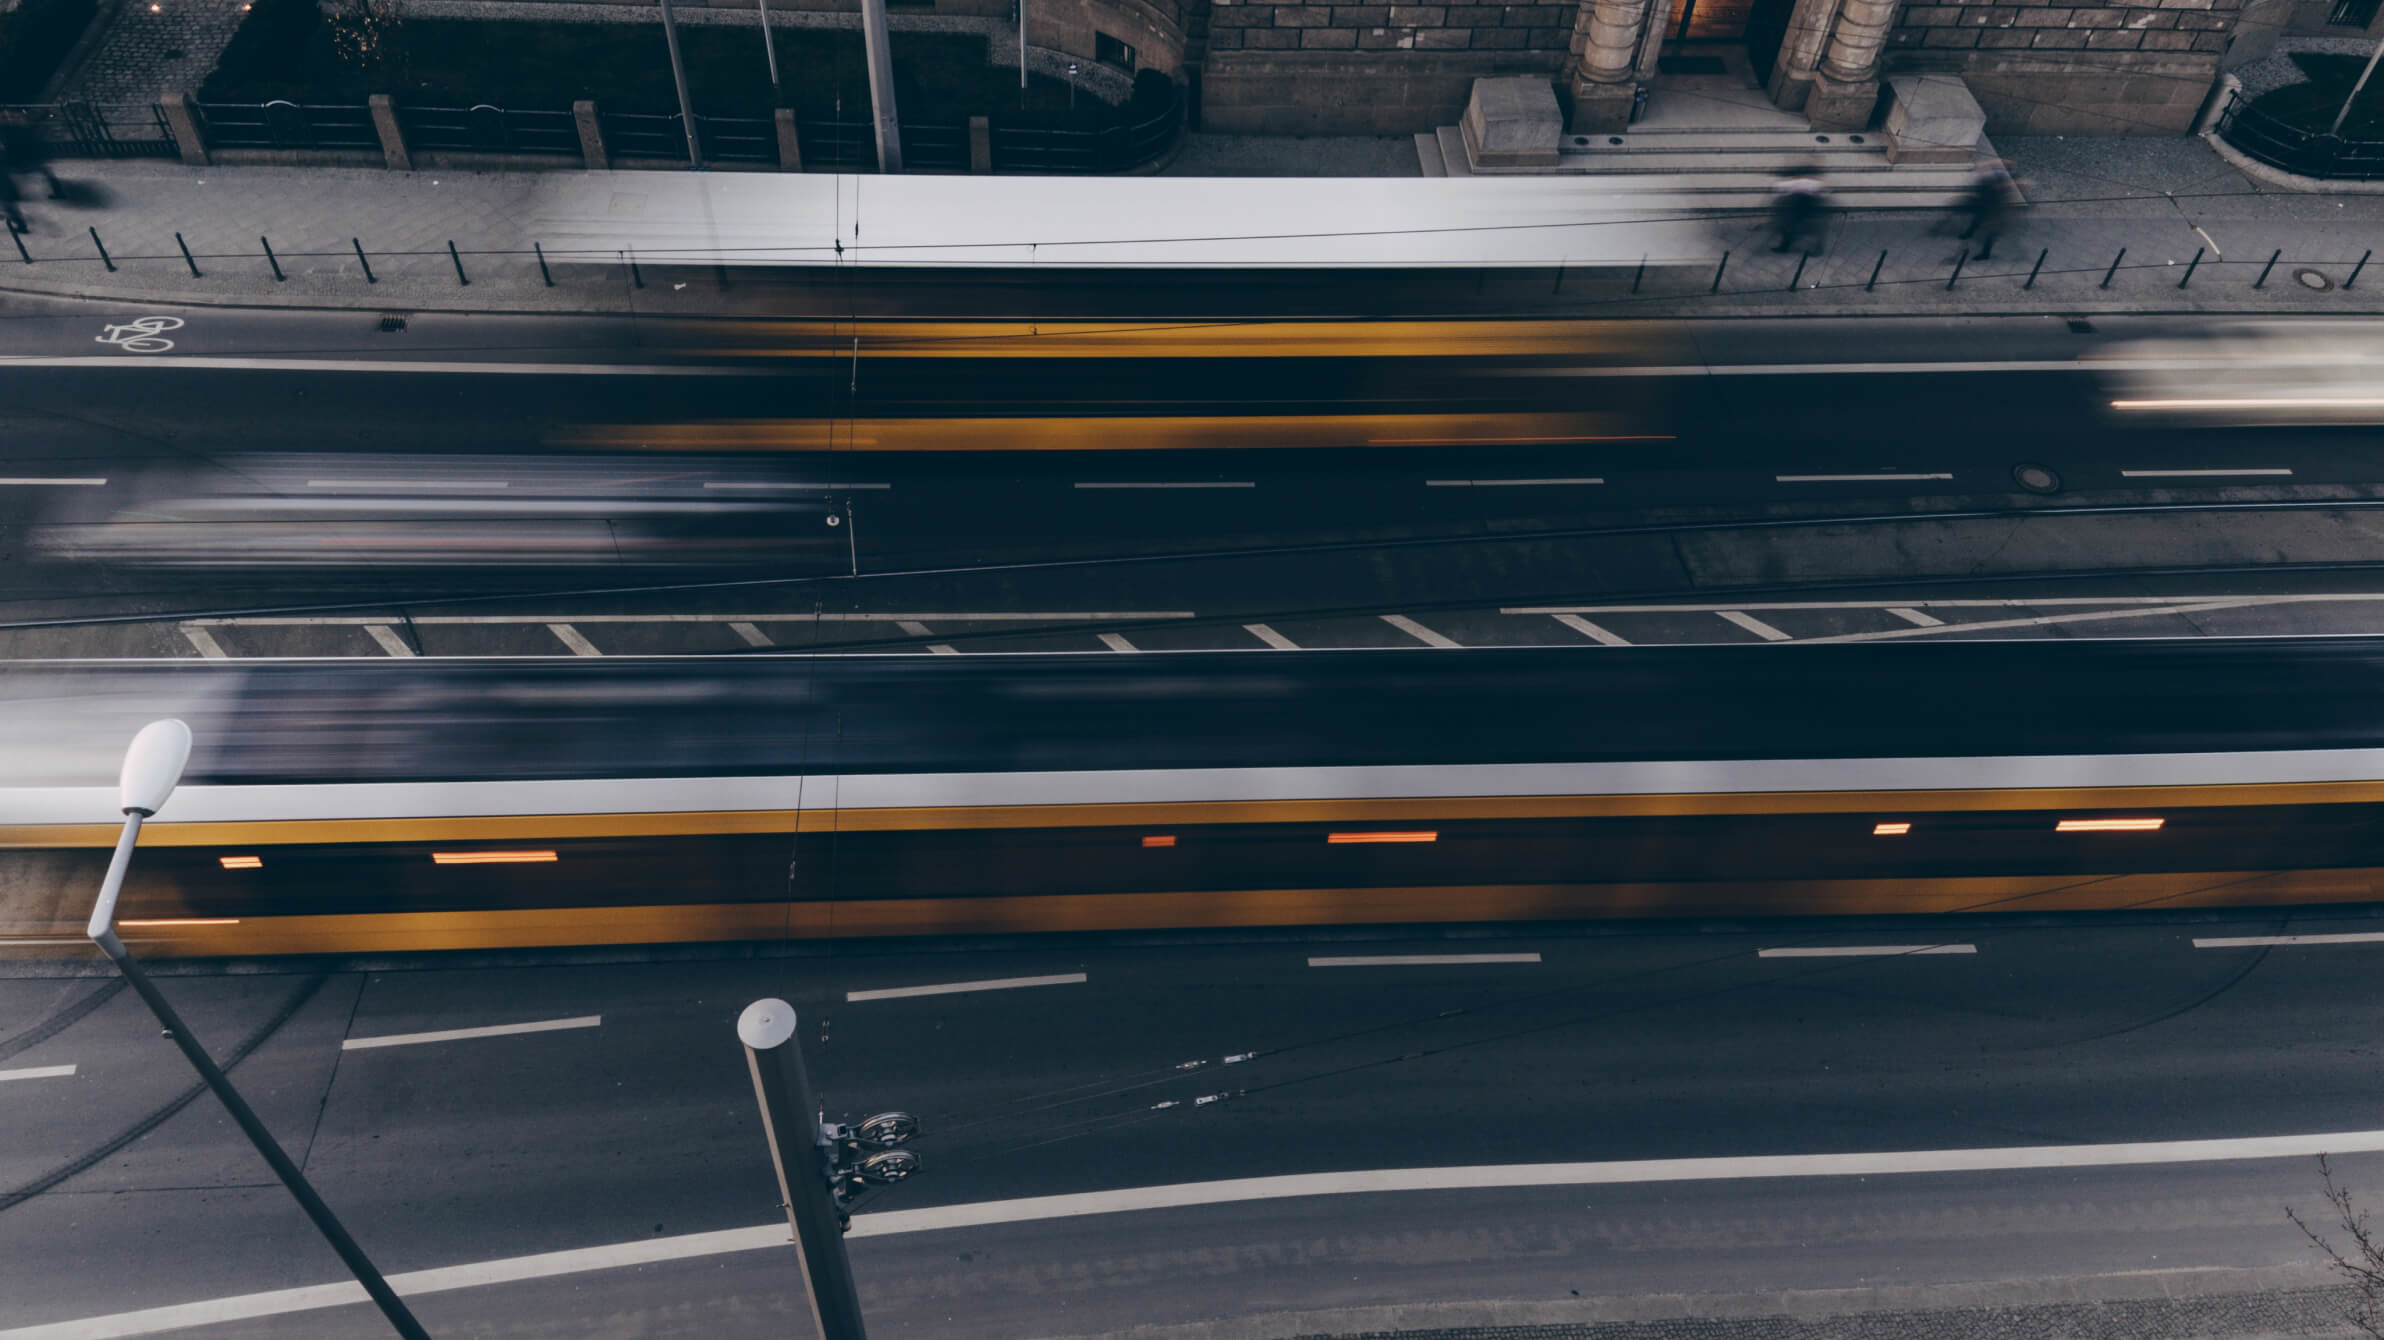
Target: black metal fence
[486, 129]
[2309, 153]
[101, 129]
[114, 130]
[286, 125]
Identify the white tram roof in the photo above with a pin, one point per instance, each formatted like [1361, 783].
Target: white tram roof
[742, 218]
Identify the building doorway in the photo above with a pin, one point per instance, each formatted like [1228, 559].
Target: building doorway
[1733, 40]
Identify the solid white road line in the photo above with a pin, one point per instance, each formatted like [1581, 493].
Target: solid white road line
[1754, 625]
[1863, 951]
[2195, 474]
[461, 1034]
[1117, 642]
[802, 488]
[570, 637]
[1415, 960]
[1185, 1195]
[799, 616]
[1501, 483]
[1270, 637]
[38, 1072]
[1850, 479]
[1189, 484]
[754, 637]
[392, 365]
[1915, 617]
[2008, 602]
[52, 481]
[1419, 632]
[1592, 631]
[956, 988]
[205, 642]
[2249, 941]
[388, 639]
[482, 484]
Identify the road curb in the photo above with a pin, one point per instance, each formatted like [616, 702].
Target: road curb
[1794, 1305]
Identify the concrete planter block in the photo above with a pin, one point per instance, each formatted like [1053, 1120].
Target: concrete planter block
[1931, 118]
[1512, 123]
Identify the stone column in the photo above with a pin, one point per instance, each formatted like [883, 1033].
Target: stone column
[183, 119]
[591, 137]
[790, 140]
[1793, 72]
[1847, 91]
[1606, 37]
[392, 135]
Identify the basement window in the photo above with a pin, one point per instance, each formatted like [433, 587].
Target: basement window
[2353, 13]
[1110, 51]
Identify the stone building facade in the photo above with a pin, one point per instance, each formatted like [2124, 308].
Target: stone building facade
[1299, 67]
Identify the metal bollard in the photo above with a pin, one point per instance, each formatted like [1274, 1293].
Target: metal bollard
[19, 239]
[2114, 267]
[272, 260]
[460, 276]
[358, 242]
[2357, 268]
[2040, 264]
[1799, 276]
[637, 278]
[1876, 267]
[186, 260]
[103, 250]
[1717, 283]
[2262, 281]
[2191, 266]
[1638, 274]
[543, 272]
[1961, 259]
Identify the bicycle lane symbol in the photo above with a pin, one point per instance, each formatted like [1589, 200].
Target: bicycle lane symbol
[142, 335]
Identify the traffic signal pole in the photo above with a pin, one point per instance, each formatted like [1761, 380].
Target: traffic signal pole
[791, 1119]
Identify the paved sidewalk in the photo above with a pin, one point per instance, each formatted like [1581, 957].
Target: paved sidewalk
[2162, 200]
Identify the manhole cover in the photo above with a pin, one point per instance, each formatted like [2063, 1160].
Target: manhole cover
[2312, 279]
[2036, 478]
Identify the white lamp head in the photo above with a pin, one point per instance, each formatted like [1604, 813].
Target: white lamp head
[152, 765]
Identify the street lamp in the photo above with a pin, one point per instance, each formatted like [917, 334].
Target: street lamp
[152, 766]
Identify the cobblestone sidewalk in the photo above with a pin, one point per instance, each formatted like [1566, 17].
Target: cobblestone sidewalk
[2118, 225]
[2250, 1316]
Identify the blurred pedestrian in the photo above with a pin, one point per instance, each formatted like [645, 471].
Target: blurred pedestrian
[23, 150]
[1798, 203]
[1989, 204]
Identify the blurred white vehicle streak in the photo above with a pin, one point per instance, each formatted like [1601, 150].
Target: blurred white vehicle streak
[2273, 372]
[358, 511]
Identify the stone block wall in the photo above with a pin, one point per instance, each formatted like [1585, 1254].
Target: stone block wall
[2042, 67]
[1323, 68]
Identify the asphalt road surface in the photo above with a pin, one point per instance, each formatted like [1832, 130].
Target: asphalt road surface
[628, 1124]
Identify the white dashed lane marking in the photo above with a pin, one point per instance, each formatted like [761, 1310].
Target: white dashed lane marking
[570, 637]
[205, 642]
[50, 481]
[1754, 625]
[388, 639]
[1414, 960]
[2251, 941]
[1419, 632]
[38, 1072]
[1270, 637]
[465, 1034]
[956, 988]
[754, 637]
[1863, 951]
[1593, 632]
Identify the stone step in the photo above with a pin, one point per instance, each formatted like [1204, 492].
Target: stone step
[1455, 162]
[1428, 154]
[1664, 140]
[1832, 167]
[1709, 183]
